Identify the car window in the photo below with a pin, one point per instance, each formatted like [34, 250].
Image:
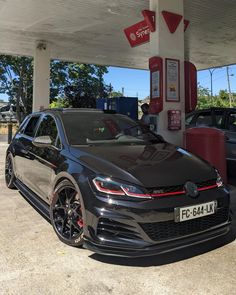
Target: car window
[232, 122]
[219, 119]
[23, 124]
[189, 119]
[48, 127]
[204, 119]
[31, 126]
[58, 142]
[101, 128]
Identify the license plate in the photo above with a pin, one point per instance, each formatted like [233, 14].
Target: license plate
[195, 211]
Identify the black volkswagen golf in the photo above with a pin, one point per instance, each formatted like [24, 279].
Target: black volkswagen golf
[111, 185]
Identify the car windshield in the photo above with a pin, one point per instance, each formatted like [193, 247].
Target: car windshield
[91, 128]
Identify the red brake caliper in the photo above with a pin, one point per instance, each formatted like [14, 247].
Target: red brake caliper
[80, 221]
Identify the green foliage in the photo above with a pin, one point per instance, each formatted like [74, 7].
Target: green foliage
[221, 100]
[59, 103]
[85, 83]
[16, 75]
[116, 94]
[77, 83]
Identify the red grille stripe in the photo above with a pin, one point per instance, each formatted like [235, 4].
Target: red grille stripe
[205, 188]
[183, 192]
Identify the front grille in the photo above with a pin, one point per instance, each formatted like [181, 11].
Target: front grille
[177, 188]
[169, 229]
[111, 228]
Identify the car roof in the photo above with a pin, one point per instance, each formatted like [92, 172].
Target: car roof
[211, 109]
[60, 111]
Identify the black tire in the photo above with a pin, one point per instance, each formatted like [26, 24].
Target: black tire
[9, 172]
[66, 214]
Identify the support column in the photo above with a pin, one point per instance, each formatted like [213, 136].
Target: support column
[169, 45]
[41, 79]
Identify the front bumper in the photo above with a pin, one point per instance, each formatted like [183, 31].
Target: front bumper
[162, 248]
[145, 228]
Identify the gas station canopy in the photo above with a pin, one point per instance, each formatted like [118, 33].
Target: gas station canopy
[92, 31]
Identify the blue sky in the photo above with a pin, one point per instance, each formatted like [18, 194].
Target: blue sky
[136, 82]
[219, 79]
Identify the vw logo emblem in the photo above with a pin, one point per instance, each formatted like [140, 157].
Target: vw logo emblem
[191, 189]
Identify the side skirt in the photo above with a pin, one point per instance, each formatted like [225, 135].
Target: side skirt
[38, 204]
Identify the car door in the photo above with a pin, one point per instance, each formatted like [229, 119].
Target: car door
[231, 138]
[46, 158]
[23, 158]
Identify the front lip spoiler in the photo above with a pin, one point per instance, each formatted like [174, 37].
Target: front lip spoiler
[158, 249]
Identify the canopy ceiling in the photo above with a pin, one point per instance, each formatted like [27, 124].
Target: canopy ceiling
[91, 31]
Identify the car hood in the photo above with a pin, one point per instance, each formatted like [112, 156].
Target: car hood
[155, 165]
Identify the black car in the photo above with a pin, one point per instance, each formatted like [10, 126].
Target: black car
[110, 184]
[223, 119]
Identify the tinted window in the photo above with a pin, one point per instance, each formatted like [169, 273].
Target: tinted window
[219, 119]
[204, 119]
[48, 127]
[189, 119]
[31, 126]
[100, 128]
[232, 122]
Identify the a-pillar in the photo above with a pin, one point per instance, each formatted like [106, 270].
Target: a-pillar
[165, 44]
[41, 79]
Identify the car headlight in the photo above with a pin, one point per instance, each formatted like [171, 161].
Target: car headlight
[110, 187]
[219, 180]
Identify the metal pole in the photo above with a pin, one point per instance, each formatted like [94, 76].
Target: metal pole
[229, 87]
[211, 71]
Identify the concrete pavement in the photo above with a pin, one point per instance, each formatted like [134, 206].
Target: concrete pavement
[34, 261]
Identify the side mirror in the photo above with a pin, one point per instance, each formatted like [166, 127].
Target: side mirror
[42, 141]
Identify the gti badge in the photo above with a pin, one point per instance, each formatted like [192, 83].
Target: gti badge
[191, 189]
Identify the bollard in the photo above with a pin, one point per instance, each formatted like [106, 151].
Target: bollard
[9, 127]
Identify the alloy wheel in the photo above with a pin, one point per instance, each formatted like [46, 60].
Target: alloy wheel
[67, 214]
[9, 173]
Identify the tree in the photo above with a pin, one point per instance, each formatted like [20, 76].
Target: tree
[16, 74]
[116, 94]
[205, 101]
[75, 84]
[59, 103]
